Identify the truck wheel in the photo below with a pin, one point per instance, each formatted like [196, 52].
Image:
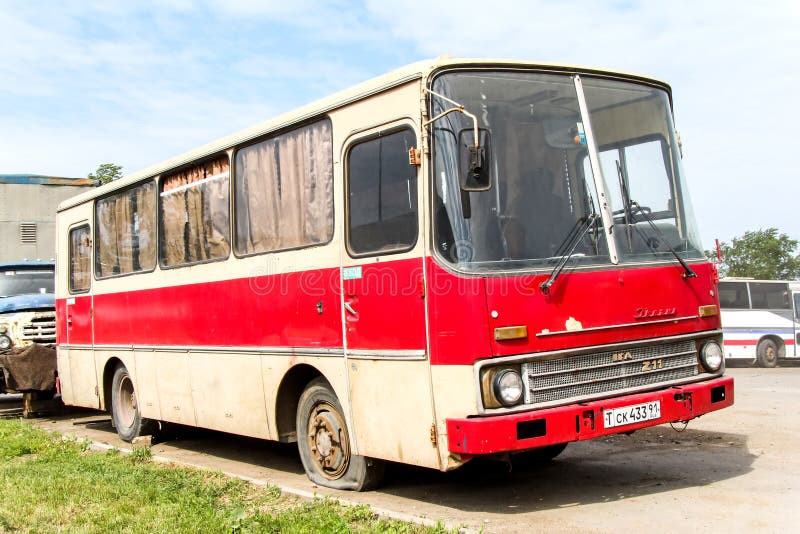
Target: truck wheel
[125, 409]
[536, 457]
[767, 353]
[324, 443]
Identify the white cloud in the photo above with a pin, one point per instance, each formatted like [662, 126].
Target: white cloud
[136, 86]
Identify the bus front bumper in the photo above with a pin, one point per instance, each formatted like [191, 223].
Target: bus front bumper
[539, 428]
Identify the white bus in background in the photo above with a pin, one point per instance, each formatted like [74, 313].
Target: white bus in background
[760, 319]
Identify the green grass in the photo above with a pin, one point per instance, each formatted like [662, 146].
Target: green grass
[52, 484]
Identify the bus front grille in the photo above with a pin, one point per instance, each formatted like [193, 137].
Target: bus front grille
[588, 375]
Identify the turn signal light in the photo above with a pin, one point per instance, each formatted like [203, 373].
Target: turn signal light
[708, 311]
[504, 333]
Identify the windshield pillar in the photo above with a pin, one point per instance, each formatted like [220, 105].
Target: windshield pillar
[597, 172]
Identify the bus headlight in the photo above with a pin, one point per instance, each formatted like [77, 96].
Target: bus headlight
[507, 387]
[5, 342]
[712, 357]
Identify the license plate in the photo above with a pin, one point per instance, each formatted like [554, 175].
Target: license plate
[628, 415]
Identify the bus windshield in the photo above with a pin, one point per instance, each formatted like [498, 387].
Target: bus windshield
[543, 195]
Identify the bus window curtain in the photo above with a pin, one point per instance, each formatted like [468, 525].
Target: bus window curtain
[126, 231]
[146, 221]
[285, 191]
[195, 213]
[106, 246]
[123, 215]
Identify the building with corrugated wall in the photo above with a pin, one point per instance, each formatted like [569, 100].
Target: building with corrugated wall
[28, 205]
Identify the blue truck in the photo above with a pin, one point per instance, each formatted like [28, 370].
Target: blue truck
[27, 304]
[27, 331]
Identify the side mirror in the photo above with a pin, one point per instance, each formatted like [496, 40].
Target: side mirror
[474, 161]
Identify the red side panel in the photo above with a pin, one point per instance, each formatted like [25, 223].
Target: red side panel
[386, 306]
[457, 315]
[297, 309]
[76, 326]
[61, 321]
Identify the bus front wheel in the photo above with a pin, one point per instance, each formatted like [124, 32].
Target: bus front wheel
[324, 443]
[767, 353]
[125, 408]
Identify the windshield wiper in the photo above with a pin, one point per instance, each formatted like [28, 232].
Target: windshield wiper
[626, 200]
[567, 248]
[688, 272]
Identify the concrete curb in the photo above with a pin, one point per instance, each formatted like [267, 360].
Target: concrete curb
[382, 512]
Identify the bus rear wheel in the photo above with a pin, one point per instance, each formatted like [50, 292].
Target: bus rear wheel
[324, 443]
[767, 353]
[125, 408]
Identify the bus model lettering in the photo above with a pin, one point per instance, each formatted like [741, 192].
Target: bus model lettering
[621, 356]
[356, 258]
[644, 313]
[652, 365]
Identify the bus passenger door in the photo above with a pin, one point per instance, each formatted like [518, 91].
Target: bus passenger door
[77, 364]
[384, 300]
[78, 324]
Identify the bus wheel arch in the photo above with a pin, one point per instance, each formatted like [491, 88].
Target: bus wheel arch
[121, 402]
[292, 385]
[108, 378]
[769, 350]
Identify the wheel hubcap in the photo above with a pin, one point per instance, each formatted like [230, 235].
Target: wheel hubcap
[328, 442]
[771, 355]
[127, 402]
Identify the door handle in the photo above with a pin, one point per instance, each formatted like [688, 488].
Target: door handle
[69, 322]
[349, 308]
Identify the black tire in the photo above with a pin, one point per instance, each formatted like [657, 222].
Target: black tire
[767, 353]
[124, 408]
[536, 457]
[324, 443]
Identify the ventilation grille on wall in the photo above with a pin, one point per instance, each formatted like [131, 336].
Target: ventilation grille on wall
[27, 233]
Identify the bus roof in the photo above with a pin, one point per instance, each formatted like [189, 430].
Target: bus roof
[342, 98]
[748, 279]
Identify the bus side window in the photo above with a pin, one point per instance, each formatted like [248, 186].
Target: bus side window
[382, 195]
[733, 295]
[125, 232]
[284, 191]
[769, 296]
[796, 297]
[194, 218]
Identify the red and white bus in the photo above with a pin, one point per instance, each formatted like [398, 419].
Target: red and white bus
[458, 258]
[760, 319]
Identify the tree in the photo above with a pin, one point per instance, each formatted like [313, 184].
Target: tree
[106, 172]
[760, 254]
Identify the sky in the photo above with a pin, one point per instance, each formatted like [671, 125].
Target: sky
[136, 82]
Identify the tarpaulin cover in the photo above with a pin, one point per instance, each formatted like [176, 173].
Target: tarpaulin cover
[30, 368]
